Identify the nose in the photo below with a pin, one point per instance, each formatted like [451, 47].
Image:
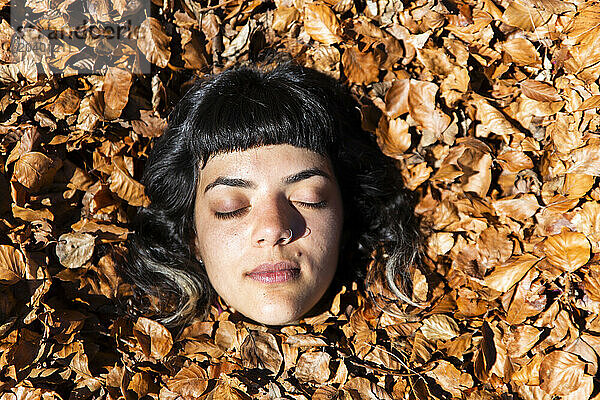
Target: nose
[274, 223]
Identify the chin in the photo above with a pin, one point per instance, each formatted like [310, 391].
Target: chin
[276, 314]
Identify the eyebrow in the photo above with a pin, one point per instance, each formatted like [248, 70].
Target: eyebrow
[288, 180]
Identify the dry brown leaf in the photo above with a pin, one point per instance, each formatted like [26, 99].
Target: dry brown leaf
[522, 52]
[126, 187]
[540, 91]
[416, 175]
[564, 135]
[313, 367]
[587, 221]
[12, 264]
[440, 243]
[360, 68]
[75, 249]
[591, 284]
[585, 160]
[439, 327]
[321, 24]
[561, 373]
[260, 350]
[325, 393]
[519, 207]
[577, 185]
[507, 275]
[396, 98]
[190, 382]
[117, 83]
[568, 250]
[478, 176]
[35, 170]
[67, 103]
[528, 299]
[492, 120]
[150, 124]
[284, 17]
[589, 103]
[305, 340]
[524, 16]
[451, 379]
[226, 335]
[29, 215]
[421, 103]
[239, 43]
[521, 339]
[140, 384]
[154, 42]
[155, 340]
[393, 136]
[362, 388]
[225, 391]
[529, 374]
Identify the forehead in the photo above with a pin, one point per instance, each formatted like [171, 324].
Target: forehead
[271, 162]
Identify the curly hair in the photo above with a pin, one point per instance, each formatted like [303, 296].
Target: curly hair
[244, 108]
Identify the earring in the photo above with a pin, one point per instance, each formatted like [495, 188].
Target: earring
[287, 240]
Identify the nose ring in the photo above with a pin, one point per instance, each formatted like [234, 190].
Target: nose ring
[287, 239]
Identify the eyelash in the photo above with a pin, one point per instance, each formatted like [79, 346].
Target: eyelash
[241, 211]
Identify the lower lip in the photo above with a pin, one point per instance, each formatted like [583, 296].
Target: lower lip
[275, 276]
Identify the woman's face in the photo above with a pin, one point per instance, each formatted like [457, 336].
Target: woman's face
[247, 204]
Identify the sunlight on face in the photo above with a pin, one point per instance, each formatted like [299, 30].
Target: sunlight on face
[247, 204]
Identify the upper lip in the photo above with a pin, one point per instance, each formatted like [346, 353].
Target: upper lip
[273, 267]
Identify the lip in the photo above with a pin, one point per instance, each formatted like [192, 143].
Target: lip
[278, 272]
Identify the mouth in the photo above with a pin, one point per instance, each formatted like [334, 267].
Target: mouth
[279, 272]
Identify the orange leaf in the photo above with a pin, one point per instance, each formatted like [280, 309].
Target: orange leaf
[260, 350]
[12, 264]
[35, 170]
[190, 381]
[561, 373]
[321, 24]
[396, 98]
[117, 83]
[126, 187]
[393, 136]
[568, 250]
[65, 104]
[421, 104]
[506, 275]
[540, 91]
[589, 103]
[585, 160]
[160, 339]
[313, 367]
[360, 68]
[154, 42]
[518, 208]
[522, 52]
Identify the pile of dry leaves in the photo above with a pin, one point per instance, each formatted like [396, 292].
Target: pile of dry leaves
[489, 108]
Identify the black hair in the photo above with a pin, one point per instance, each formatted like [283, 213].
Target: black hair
[244, 108]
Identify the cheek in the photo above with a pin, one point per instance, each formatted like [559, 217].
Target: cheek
[214, 242]
[326, 234]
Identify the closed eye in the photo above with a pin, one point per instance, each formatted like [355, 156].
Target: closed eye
[231, 214]
[240, 212]
[320, 204]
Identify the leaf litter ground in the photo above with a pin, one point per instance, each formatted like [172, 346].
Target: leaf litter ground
[489, 108]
